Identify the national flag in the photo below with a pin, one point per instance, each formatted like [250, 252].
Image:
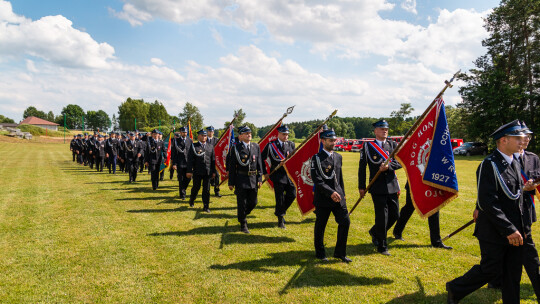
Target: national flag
[298, 169]
[189, 129]
[429, 164]
[221, 150]
[270, 136]
[167, 163]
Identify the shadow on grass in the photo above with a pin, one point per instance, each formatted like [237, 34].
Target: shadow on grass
[179, 209]
[150, 198]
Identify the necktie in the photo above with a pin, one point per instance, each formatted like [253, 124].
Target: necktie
[521, 162]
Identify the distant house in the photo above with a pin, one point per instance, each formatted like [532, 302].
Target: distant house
[38, 122]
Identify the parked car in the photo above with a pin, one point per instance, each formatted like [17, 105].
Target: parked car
[357, 146]
[471, 148]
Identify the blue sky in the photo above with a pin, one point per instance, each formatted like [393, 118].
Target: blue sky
[362, 57]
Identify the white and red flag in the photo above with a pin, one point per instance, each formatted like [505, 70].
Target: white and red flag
[298, 169]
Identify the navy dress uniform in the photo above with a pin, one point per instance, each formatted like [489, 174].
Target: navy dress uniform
[384, 190]
[284, 189]
[179, 150]
[142, 142]
[111, 148]
[79, 149]
[121, 152]
[132, 154]
[501, 216]
[100, 153]
[153, 156]
[201, 163]
[72, 147]
[214, 181]
[245, 175]
[327, 177]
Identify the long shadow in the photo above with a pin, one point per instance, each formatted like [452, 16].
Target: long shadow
[203, 215]
[179, 209]
[252, 239]
[144, 198]
[419, 296]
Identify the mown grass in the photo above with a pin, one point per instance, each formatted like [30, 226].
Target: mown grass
[70, 234]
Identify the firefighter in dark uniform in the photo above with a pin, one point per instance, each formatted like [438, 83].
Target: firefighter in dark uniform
[385, 189]
[106, 158]
[284, 189]
[132, 154]
[85, 149]
[100, 153]
[201, 166]
[164, 152]
[142, 141]
[180, 148]
[153, 156]
[78, 147]
[214, 181]
[245, 174]
[503, 220]
[111, 148]
[433, 222]
[121, 151]
[72, 147]
[90, 149]
[329, 197]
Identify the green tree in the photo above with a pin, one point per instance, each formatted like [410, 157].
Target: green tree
[97, 120]
[114, 122]
[157, 114]
[74, 114]
[50, 116]
[398, 120]
[191, 112]
[239, 121]
[130, 110]
[505, 84]
[32, 111]
[456, 124]
[5, 119]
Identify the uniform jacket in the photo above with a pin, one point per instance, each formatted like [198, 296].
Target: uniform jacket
[387, 182]
[111, 147]
[201, 161]
[238, 174]
[499, 215]
[327, 179]
[132, 149]
[280, 176]
[153, 153]
[531, 168]
[179, 151]
[100, 148]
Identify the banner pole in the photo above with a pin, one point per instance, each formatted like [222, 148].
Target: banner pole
[448, 84]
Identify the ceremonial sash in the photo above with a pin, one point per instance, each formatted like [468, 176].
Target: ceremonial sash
[383, 153]
[277, 151]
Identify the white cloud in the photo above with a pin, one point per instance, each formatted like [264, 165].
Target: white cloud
[30, 66]
[132, 15]
[409, 6]
[157, 61]
[52, 38]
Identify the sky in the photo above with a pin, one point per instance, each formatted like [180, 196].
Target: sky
[362, 57]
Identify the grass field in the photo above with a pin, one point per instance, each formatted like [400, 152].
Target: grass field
[69, 234]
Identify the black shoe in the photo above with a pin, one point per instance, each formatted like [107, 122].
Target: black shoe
[323, 259]
[191, 204]
[281, 222]
[451, 298]
[385, 252]
[182, 197]
[398, 237]
[443, 246]
[218, 194]
[244, 228]
[206, 209]
[373, 239]
[343, 258]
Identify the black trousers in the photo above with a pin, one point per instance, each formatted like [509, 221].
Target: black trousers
[342, 219]
[214, 181]
[80, 157]
[171, 173]
[496, 260]
[121, 165]
[405, 215]
[154, 175]
[132, 167]
[246, 200]
[91, 160]
[141, 165]
[74, 154]
[100, 160]
[183, 181]
[386, 214]
[112, 164]
[197, 180]
[285, 195]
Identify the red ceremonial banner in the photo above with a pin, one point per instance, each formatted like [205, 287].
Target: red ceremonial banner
[270, 136]
[221, 150]
[298, 169]
[413, 156]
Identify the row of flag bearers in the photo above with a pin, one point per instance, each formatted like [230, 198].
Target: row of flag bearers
[505, 180]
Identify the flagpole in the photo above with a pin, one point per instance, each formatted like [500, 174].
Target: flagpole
[458, 230]
[289, 111]
[303, 143]
[448, 84]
